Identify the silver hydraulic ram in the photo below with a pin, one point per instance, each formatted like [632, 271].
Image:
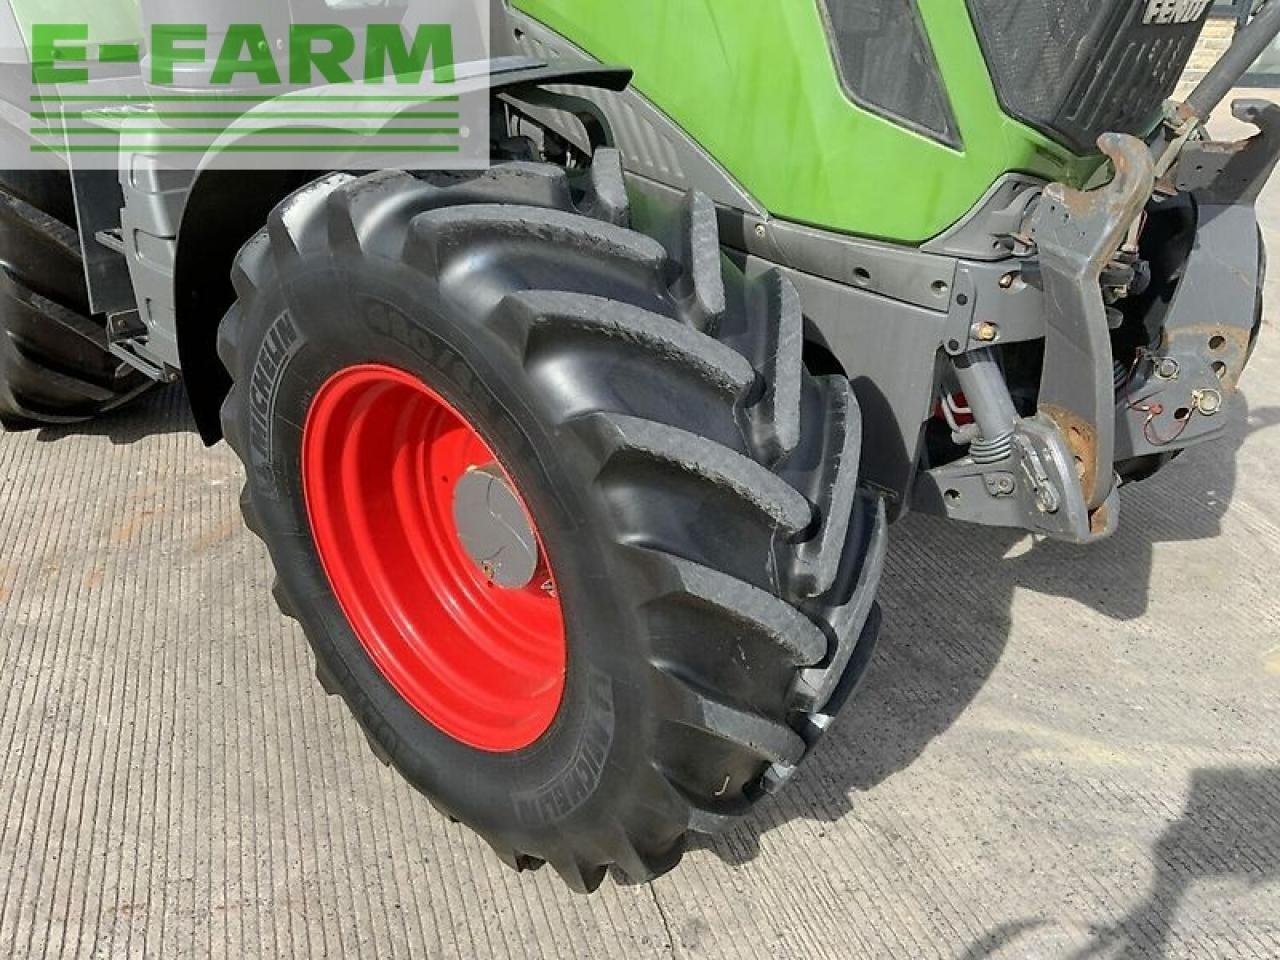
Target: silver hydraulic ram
[1250, 43]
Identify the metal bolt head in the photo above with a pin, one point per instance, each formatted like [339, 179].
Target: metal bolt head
[760, 231]
[1167, 368]
[1000, 484]
[1007, 280]
[985, 332]
[1207, 402]
[1047, 500]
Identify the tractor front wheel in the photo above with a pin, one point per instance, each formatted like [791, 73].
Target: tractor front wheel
[566, 521]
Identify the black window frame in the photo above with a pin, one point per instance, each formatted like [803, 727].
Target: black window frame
[951, 137]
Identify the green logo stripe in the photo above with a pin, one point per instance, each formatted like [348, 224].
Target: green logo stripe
[50, 115]
[229, 98]
[267, 132]
[248, 148]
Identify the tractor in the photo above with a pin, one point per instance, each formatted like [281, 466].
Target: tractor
[577, 468]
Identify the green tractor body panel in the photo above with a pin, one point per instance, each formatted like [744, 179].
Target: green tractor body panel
[760, 92]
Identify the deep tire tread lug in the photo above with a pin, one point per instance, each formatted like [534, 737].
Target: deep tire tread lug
[328, 683]
[38, 222]
[702, 286]
[233, 426]
[229, 332]
[774, 306]
[859, 579]
[357, 209]
[667, 340]
[73, 386]
[82, 326]
[517, 861]
[518, 182]
[817, 561]
[376, 748]
[252, 268]
[640, 866]
[701, 710]
[285, 602]
[298, 227]
[580, 877]
[606, 197]
[249, 511]
[740, 476]
[795, 636]
[434, 235]
[701, 816]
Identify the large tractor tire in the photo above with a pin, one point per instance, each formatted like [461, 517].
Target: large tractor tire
[55, 366]
[566, 521]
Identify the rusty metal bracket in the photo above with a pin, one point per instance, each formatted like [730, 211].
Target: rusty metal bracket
[1174, 394]
[1077, 233]
[1034, 487]
[1232, 173]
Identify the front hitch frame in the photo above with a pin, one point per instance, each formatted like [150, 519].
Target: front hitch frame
[1054, 472]
[1077, 233]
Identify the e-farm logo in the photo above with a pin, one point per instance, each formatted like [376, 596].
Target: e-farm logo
[301, 95]
[312, 53]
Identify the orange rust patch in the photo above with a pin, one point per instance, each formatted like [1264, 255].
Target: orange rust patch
[1082, 441]
[1220, 344]
[1098, 520]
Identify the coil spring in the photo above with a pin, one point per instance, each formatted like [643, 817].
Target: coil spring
[984, 451]
[1120, 374]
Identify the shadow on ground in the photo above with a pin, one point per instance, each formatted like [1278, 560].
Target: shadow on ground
[1228, 830]
[159, 411]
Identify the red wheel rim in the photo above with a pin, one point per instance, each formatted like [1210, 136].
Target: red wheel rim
[381, 455]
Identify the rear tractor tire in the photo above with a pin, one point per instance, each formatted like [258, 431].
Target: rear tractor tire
[568, 524]
[55, 366]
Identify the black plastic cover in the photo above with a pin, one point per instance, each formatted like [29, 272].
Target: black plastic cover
[1076, 69]
[886, 64]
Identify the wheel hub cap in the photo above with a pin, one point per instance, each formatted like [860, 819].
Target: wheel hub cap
[433, 557]
[494, 528]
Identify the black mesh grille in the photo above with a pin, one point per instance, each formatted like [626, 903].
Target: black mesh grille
[1075, 69]
[886, 64]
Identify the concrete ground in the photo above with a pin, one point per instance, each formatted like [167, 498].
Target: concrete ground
[1059, 752]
